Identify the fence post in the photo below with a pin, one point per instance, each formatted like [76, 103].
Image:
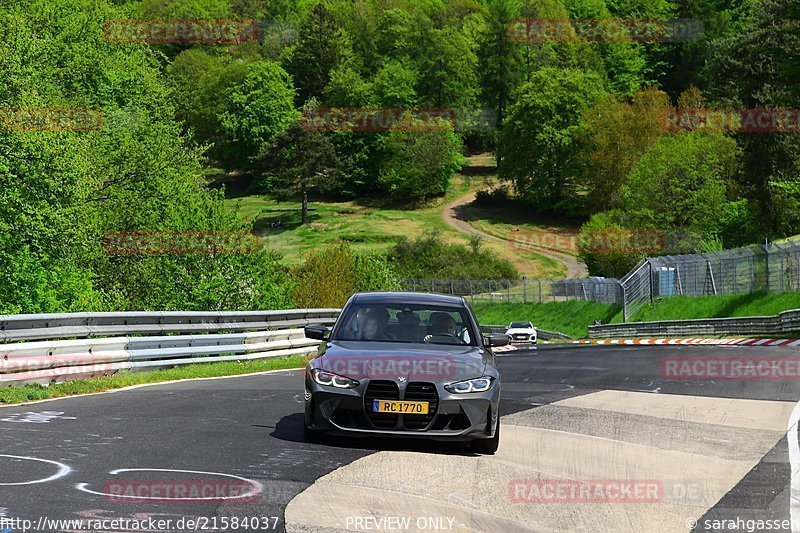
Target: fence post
[650, 278]
[540, 290]
[624, 302]
[524, 289]
[766, 263]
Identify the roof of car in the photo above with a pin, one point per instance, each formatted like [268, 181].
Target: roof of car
[408, 298]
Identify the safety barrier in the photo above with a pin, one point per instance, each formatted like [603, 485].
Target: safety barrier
[50, 359]
[779, 325]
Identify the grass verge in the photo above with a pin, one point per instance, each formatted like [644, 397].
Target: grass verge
[684, 307]
[571, 318]
[28, 393]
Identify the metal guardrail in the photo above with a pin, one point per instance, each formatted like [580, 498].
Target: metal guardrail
[79, 325]
[783, 323]
[52, 359]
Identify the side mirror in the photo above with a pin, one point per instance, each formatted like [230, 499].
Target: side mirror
[320, 333]
[495, 340]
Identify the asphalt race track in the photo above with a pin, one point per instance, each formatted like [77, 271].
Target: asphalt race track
[710, 450]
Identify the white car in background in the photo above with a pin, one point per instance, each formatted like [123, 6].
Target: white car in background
[521, 333]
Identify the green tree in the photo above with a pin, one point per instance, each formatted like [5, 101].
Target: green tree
[617, 134]
[320, 47]
[682, 181]
[418, 165]
[297, 161]
[540, 143]
[498, 57]
[258, 109]
[757, 67]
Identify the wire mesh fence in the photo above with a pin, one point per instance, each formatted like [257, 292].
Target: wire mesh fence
[772, 267]
[525, 290]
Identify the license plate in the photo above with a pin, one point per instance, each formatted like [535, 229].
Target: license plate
[400, 408]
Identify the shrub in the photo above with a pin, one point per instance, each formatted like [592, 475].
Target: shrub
[329, 277]
[428, 256]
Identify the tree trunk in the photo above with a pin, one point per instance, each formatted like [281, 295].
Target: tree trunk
[305, 205]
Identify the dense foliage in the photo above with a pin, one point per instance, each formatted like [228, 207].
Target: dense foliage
[576, 126]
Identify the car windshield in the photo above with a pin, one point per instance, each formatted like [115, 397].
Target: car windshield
[421, 324]
[520, 325]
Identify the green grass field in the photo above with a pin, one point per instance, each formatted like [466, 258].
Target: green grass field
[370, 228]
[516, 222]
[571, 318]
[683, 307]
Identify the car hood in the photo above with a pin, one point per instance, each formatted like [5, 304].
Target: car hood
[392, 360]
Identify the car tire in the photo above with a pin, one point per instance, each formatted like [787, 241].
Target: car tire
[488, 446]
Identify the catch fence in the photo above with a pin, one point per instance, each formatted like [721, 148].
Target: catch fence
[771, 268]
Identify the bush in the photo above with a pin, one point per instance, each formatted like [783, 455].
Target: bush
[499, 196]
[329, 277]
[429, 257]
[605, 246]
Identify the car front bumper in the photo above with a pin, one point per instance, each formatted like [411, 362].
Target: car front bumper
[454, 417]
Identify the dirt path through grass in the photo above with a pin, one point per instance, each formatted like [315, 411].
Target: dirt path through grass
[454, 216]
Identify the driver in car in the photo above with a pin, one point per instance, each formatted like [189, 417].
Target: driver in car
[443, 324]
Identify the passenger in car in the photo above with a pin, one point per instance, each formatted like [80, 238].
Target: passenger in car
[374, 327]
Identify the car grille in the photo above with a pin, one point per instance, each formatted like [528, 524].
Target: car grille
[420, 391]
[521, 337]
[381, 390]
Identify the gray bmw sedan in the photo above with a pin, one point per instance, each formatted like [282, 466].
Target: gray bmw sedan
[405, 365]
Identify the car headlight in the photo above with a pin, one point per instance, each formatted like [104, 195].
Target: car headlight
[333, 380]
[471, 385]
